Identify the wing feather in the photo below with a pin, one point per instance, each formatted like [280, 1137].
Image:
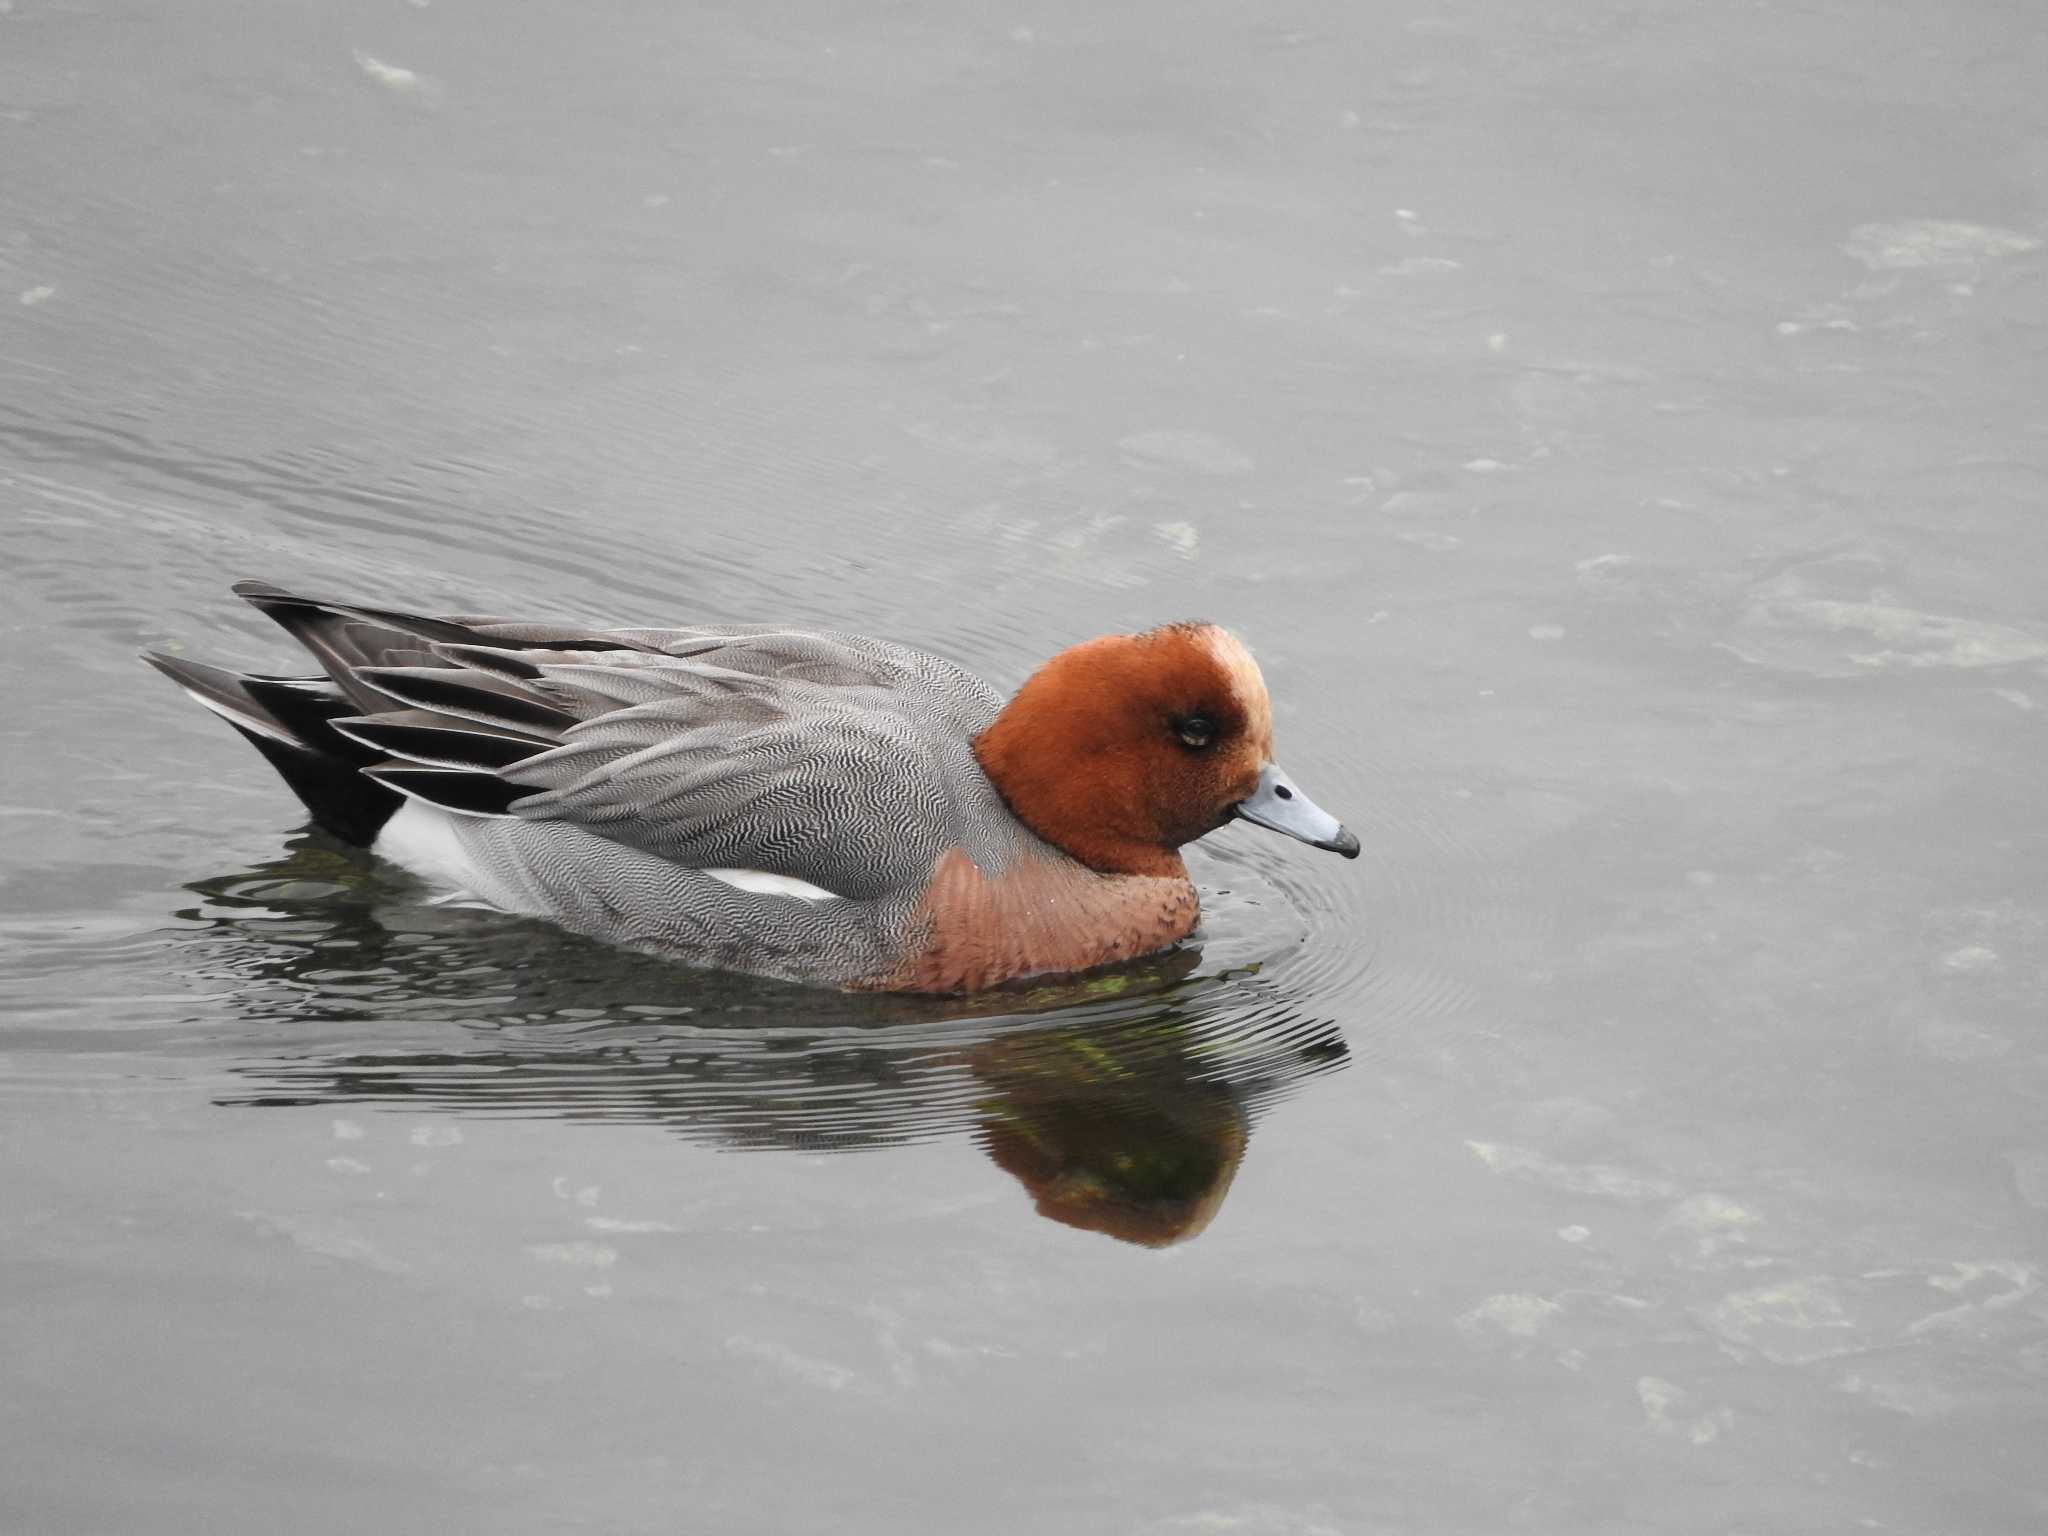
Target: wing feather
[841, 786]
[821, 757]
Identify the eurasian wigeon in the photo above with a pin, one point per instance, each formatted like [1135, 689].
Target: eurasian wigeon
[815, 806]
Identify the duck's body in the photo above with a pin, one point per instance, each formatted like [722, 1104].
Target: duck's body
[810, 805]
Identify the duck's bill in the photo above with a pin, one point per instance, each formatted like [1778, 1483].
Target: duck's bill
[1277, 805]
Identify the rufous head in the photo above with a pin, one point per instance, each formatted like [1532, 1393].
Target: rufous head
[1123, 749]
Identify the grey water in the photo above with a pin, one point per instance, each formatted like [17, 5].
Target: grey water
[1619, 426]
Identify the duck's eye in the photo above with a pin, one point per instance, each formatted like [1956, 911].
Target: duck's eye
[1195, 731]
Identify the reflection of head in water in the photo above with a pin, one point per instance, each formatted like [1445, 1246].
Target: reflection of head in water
[1122, 1101]
[1144, 1153]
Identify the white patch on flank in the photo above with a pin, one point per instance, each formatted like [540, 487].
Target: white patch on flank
[427, 841]
[422, 838]
[761, 883]
[1246, 681]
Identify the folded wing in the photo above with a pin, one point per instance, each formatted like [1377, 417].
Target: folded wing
[825, 758]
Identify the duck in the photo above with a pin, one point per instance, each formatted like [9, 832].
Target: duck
[804, 804]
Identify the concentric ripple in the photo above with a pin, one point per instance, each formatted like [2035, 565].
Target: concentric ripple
[1123, 1100]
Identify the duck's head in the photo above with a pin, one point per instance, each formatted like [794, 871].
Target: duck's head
[1120, 750]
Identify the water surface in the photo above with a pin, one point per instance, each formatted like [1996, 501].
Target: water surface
[1618, 429]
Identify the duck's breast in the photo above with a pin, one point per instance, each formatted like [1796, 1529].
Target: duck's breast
[1041, 912]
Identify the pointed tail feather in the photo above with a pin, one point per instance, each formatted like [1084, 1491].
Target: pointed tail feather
[286, 720]
[339, 640]
[411, 705]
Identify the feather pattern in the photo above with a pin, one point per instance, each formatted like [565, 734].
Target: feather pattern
[705, 791]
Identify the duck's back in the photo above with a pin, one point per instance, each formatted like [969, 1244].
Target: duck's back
[765, 800]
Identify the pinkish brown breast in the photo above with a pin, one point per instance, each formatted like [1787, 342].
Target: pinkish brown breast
[1039, 916]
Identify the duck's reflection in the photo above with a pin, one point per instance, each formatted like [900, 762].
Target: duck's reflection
[1122, 1101]
[1146, 1157]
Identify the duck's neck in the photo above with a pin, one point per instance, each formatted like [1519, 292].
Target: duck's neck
[1087, 812]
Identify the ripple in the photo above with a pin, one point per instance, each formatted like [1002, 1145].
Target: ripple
[323, 979]
[1123, 1100]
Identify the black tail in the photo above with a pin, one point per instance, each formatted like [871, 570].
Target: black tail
[286, 719]
[409, 705]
